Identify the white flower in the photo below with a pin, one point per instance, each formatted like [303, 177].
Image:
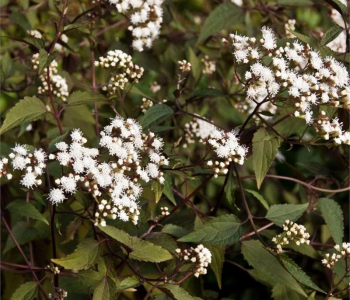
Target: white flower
[56, 196]
[68, 184]
[29, 180]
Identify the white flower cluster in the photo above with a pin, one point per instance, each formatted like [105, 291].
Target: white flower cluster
[59, 87]
[331, 130]
[32, 164]
[146, 17]
[165, 211]
[288, 27]
[122, 68]
[155, 87]
[35, 34]
[199, 256]
[197, 128]
[209, 65]
[146, 104]
[226, 146]
[343, 252]
[184, 66]
[59, 47]
[292, 232]
[134, 157]
[309, 79]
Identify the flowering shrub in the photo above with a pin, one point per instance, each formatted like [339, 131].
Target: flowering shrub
[175, 150]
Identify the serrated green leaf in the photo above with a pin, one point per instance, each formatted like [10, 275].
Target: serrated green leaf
[206, 92]
[25, 209]
[155, 115]
[331, 34]
[174, 230]
[283, 292]
[105, 289]
[299, 274]
[127, 283]
[37, 43]
[217, 261]
[90, 278]
[266, 263]
[178, 292]
[259, 197]
[333, 215]
[45, 59]
[164, 240]
[279, 213]
[140, 249]
[222, 17]
[223, 230]
[265, 148]
[23, 234]
[167, 191]
[195, 64]
[85, 255]
[28, 109]
[26, 291]
[157, 189]
[74, 26]
[230, 188]
[80, 97]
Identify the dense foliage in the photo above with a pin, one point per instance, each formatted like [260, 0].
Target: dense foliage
[186, 149]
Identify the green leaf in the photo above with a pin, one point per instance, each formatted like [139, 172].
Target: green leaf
[195, 64]
[223, 230]
[178, 292]
[222, 17]
[90, 278]
[7, 66]
[230, 188]
[206, 92]
[74, 26]
[217, 261]
[155, 115]
[140, 249]
[26, 291]
[333, 215]
[297, 3]
[157, 189]
[25, 209]
[164, 240]
[266, 263]
[299, 274]
[23, 234]
[174, 230]
[85, 255]
[45, 59]
[283, 292]
[167, 191]
[80, 97]
[259, 197]
[56, 140]
[331, 34]
[28, 109]
[338, 5]
[37, 43]
[127, 283]
[265, 148]
[105, 289]
[279, 213]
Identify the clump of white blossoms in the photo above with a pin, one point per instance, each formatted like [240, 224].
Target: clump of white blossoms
[32, 164]
[290, 26]
[155, 87]
[197, 129]
[184, 66]
[227, 148]
[199, 256]
[297, 69]
[134, 157]
[343, 251]
[331, 129]
[209, 65]
[146, 104]
[146, 17]
[292, 232]
[122, 70]
[35, 34]
[165, 211]
[58, 84]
